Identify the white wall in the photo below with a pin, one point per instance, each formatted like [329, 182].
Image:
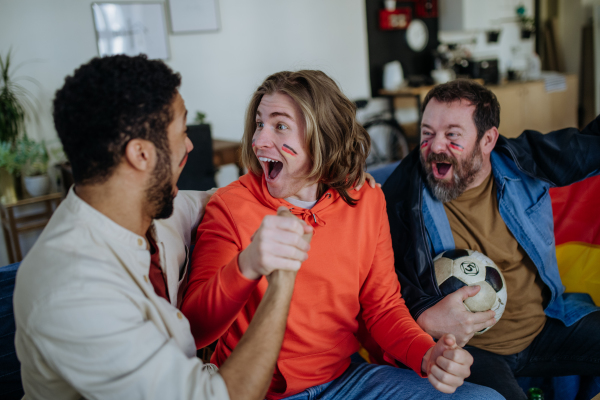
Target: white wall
[220, 70]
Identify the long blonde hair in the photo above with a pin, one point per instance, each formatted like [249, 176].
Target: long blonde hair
[337, 143]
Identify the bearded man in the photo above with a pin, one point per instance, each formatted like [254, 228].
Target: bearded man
[94, 298]
[467, 187]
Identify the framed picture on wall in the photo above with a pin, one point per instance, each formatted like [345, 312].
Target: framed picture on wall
[131, 28]
[189, 16]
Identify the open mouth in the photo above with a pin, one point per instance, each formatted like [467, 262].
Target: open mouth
[272, 167]
[442, 168]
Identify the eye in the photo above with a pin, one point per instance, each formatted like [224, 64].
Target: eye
[259, 124]
[281, 127]
[452, 134]
[426, 133]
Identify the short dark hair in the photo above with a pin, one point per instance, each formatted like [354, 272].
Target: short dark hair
[108, 102]
[487, 108]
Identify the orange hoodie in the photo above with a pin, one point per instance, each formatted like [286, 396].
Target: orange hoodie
[350, 268]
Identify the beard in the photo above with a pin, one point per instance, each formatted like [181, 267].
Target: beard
[159, 192]
[463, 174]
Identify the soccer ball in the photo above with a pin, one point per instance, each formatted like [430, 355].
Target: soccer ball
[457, 268]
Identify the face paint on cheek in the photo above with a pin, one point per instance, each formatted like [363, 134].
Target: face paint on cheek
[253, 144]
[289, 150]
[456, 148]
[182, 163]
[424, 143]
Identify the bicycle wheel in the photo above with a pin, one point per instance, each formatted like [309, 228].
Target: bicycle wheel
[388, 142]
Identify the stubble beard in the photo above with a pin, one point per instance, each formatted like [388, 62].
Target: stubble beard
[159, 193]
[463, 174]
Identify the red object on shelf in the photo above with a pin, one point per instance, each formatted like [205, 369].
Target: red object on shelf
[396, 19]
[426, 8]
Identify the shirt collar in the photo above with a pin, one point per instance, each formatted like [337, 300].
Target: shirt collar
[89, 215]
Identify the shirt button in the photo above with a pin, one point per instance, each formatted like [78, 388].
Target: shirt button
[146, 278]
[179, 315]
[140, 242]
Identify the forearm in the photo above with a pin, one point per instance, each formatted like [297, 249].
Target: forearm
[249, 369]
[429, 326]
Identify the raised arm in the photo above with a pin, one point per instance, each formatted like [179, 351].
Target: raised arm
[261, 343]
[224, 274]
[560, 157]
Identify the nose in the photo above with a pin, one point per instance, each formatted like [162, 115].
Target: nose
[438, 144]
[188, 144]
[263, 137]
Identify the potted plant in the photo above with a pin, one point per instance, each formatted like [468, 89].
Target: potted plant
[9, 166]
[33, 158]
[16, 106]
[527, 22]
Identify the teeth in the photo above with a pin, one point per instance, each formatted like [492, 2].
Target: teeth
[265, 159]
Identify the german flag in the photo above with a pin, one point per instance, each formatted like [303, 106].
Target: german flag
[576, 210]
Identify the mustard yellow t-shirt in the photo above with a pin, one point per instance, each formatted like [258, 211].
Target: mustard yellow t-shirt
[477, 225]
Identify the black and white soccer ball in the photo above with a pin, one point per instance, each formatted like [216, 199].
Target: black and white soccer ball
[457, 268]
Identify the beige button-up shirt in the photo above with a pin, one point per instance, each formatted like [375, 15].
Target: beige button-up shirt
[89, 324]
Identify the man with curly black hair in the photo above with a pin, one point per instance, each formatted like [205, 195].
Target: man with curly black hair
[94, 299]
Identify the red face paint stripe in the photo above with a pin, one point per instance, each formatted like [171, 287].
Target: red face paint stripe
[456, 146]
[184, 160]
[289, 150]
[425, 143]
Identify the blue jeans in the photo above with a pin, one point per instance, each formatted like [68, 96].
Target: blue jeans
[362, 381]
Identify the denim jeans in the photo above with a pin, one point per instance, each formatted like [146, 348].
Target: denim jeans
[363, 381]
[557, 351]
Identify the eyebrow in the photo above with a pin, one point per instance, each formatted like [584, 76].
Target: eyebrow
[448, 127]
[277, 114]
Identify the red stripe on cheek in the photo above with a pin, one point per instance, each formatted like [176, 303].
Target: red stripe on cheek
[456, 147]
[288, 151]
[184, 160]
[424, 144]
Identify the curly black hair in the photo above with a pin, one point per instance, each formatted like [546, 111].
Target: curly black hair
[108, 102]
[487, 107]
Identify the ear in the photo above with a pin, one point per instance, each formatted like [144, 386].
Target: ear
[488, 141]
[140, 154]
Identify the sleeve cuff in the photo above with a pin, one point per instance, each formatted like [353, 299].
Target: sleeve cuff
[234, 284]
[415, 353]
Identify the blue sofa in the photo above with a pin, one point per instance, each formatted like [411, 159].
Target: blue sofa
[10, 374]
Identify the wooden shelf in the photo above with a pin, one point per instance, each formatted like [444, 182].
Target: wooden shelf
[13, 226]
